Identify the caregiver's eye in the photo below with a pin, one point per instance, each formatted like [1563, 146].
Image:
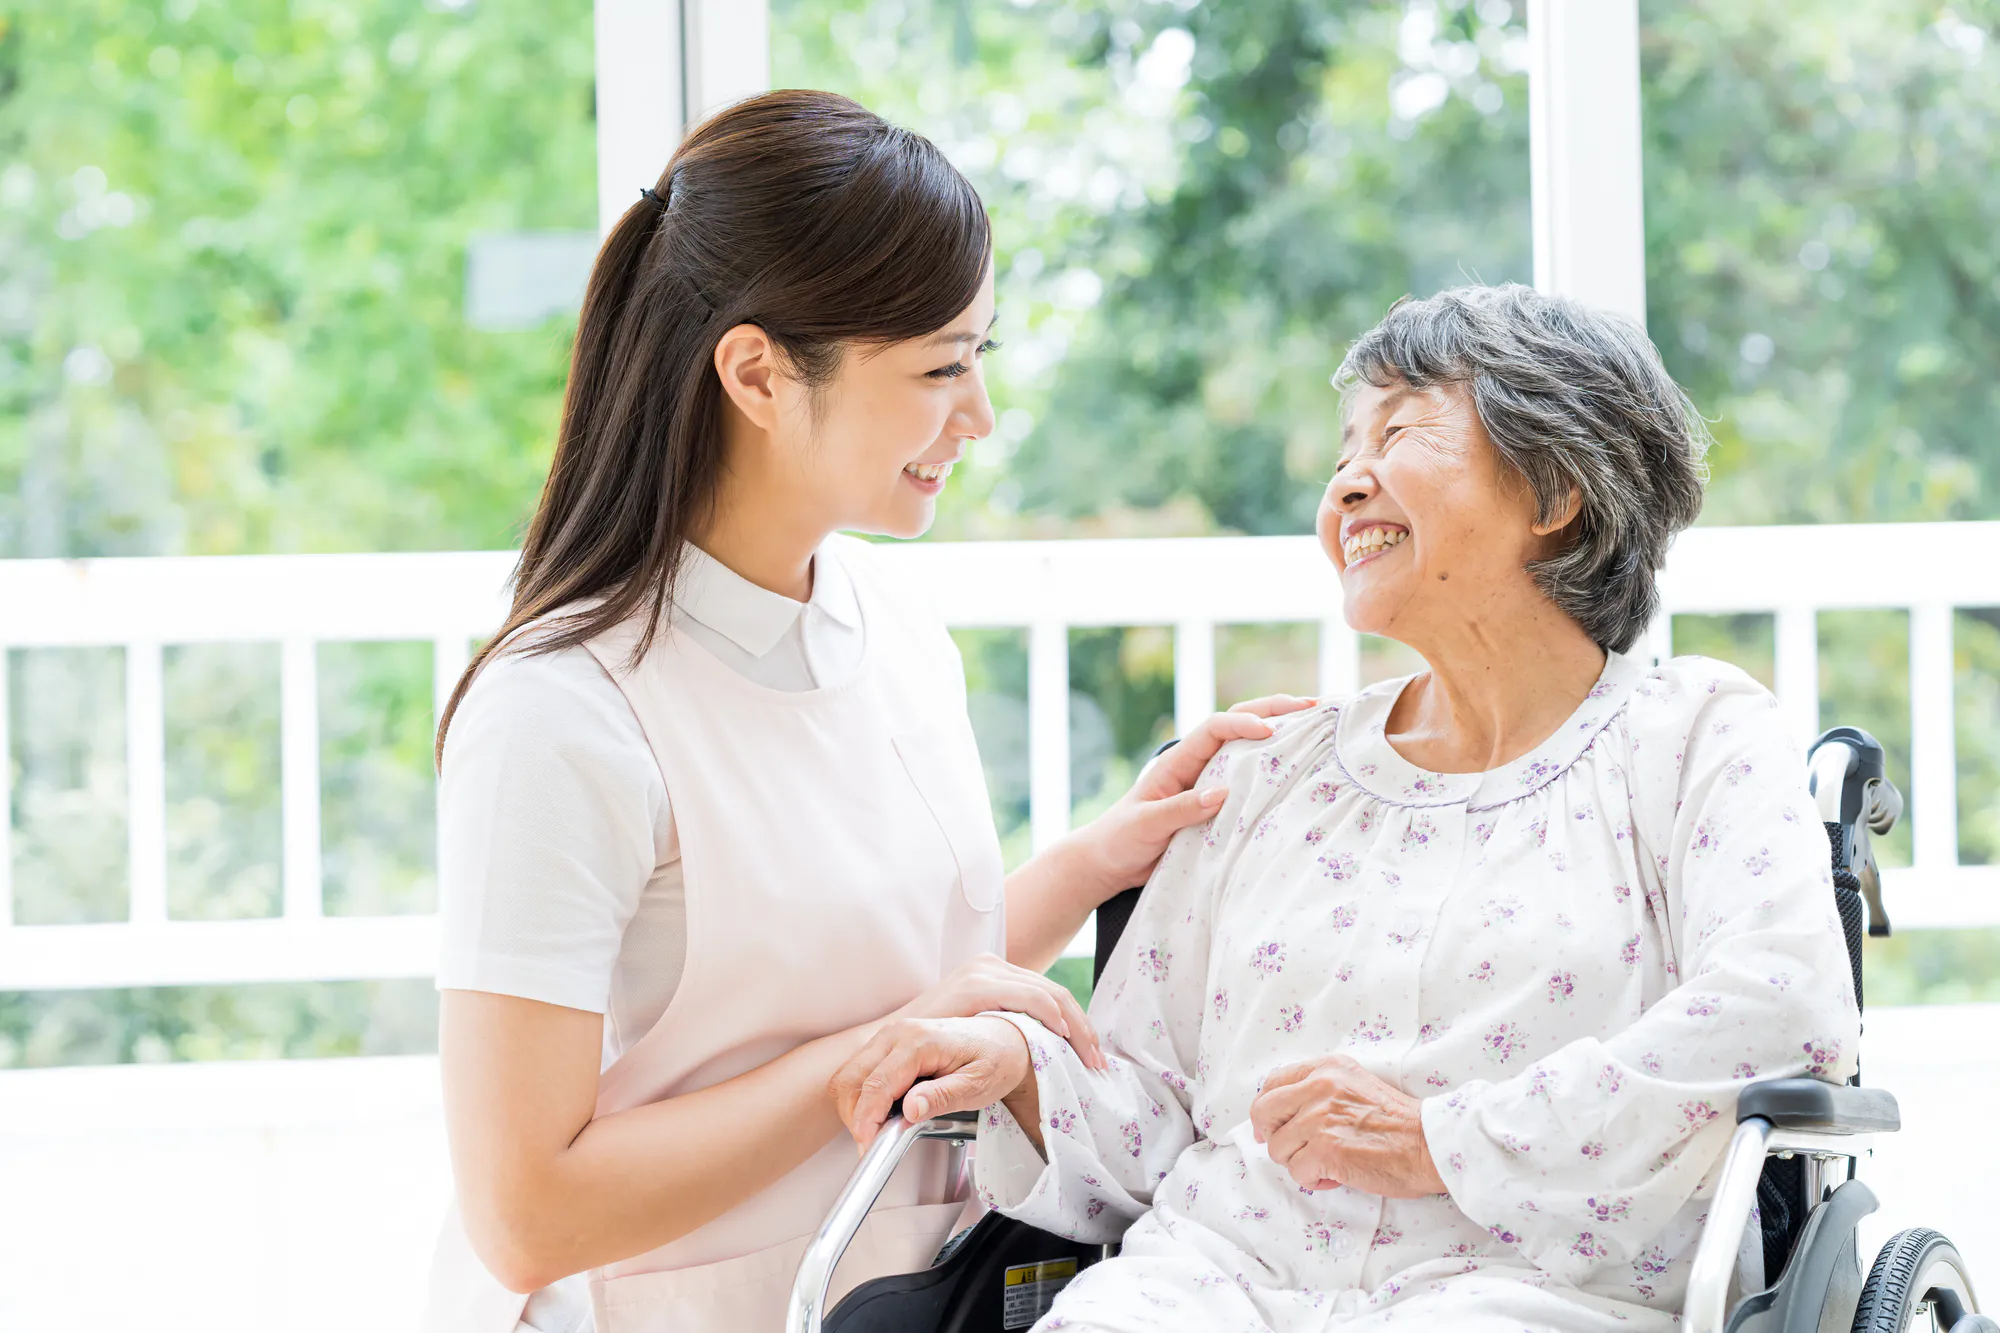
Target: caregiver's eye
[957, 368]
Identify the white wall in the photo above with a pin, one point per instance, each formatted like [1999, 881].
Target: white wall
[302, 1196]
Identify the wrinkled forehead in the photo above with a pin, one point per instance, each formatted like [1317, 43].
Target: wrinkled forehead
[1366, 406]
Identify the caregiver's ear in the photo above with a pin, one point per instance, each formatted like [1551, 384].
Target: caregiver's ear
[1563, 517]
[746, 361]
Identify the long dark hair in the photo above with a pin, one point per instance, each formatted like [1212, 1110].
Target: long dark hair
[801, 212]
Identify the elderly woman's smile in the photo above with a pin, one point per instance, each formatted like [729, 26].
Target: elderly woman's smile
[1366, 540]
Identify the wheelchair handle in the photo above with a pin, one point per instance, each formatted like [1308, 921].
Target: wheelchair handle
[1850, 784]
[807, 1306]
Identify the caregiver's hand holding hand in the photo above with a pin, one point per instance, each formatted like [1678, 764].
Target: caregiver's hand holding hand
[988, 982]
[937, 1066]
[1331, 1122]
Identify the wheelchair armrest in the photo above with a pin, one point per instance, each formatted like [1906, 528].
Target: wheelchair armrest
[940, 1126]
[1824, 1108]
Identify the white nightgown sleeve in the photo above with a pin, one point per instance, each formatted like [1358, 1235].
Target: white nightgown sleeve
[1111, 1137]
[1584, 1157]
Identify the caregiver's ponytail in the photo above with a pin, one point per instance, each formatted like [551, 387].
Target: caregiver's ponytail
[800, 212]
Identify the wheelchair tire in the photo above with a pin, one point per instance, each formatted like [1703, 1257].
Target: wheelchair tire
[1918, 1282]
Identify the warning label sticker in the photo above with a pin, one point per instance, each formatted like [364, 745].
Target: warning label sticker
[1031, 1290]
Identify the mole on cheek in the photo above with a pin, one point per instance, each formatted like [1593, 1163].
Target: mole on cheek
[1443, 577]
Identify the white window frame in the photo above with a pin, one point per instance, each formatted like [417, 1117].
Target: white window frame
[663, 64]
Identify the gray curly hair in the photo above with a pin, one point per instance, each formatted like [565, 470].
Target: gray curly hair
[1570, 397]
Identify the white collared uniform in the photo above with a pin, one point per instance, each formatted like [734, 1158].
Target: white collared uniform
[561, 864]
[562, 875]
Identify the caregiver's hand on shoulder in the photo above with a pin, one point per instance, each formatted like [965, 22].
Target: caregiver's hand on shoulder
[961, 1063]
[1122, 845]
[988, 982]
[1331, 1122]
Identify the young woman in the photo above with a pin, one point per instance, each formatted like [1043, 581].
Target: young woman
[711, 809]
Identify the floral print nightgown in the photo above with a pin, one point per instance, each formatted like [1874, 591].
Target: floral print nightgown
[1575, 960]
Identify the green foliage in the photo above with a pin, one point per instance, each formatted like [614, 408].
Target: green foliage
[1976, 699]
[1820, 208]
[1195, 207]
[232, 238]
[263, 1022]
[66, 725]
[377, 833]
[223, 822]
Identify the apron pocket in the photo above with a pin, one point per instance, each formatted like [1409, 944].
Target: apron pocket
[952, 786]
[749, 1294]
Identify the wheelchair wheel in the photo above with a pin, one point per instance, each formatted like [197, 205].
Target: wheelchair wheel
[1918, 1282]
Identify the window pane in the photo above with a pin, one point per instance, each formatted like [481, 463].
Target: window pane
[267, 1021]
[1864, 681]
[1121, 709]
[996, 696]
[1819, 259]
[1254, 660]
[249, 297]
[1976, 697]
[225, 821]
[378, 809]
[1748, 641]
[66, 729]
[1195, 209]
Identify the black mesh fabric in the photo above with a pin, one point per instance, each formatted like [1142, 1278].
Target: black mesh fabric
[1847, 897]
[1781, 1211]
[1781, 1191]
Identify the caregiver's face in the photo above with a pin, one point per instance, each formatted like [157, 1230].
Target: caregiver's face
[1422, 516]
[879, 444]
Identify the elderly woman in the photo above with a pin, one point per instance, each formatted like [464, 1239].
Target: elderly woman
[1442, 1019]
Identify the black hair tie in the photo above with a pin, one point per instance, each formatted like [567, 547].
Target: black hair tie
[647, 192]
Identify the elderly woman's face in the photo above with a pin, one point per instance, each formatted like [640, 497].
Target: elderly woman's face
[1423, 518]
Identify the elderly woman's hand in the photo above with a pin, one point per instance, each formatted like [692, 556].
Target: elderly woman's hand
[1331, 1122]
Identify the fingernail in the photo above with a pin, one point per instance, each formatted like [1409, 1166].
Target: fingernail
[1215, 796]
[916, 1107]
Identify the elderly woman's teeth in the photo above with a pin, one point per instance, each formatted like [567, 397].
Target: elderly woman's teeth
[929, 471]
[1368, 541]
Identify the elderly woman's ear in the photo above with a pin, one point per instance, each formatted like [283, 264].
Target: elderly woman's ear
[1562, 518]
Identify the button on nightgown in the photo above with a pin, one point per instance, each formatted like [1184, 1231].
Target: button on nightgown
[1576, 960]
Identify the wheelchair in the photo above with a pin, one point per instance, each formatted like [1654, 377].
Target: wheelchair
[1791, 1164]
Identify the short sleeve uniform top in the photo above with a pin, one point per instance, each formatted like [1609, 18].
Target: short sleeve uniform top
[560, 876]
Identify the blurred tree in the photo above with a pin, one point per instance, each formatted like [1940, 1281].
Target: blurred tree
[1196, 207]
[232, 257]
[1820, 213]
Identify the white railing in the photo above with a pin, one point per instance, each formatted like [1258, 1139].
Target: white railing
[1193, 584]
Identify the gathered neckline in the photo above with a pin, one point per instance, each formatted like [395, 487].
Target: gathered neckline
[1361, 747]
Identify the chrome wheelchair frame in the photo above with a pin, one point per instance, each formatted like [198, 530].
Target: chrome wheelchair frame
[1823, 1127]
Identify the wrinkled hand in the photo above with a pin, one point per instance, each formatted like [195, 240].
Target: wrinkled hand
[1122, 845]
[988, 982]
[1331, 1122]
[968, 1062]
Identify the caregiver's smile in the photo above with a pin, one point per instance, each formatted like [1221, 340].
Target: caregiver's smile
[929, 478]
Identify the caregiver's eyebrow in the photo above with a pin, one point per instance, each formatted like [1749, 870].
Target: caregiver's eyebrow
[1389, 405]
[949, 336]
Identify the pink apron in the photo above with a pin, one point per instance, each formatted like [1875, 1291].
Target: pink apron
[840, 857]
